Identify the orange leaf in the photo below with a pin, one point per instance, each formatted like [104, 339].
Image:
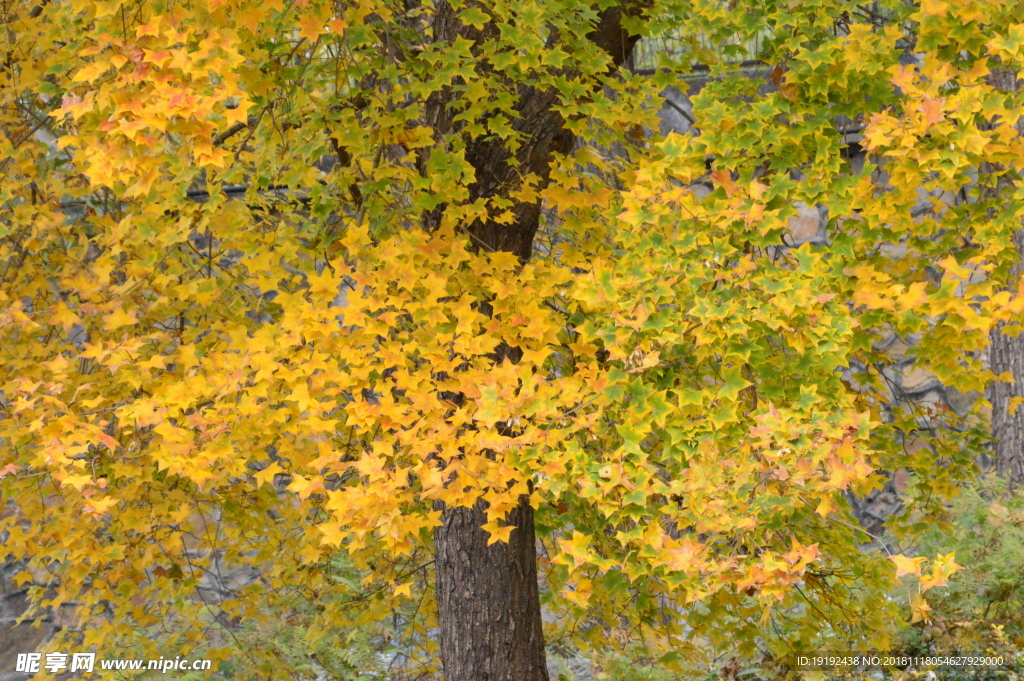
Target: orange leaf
[932, 110]
[723, 178]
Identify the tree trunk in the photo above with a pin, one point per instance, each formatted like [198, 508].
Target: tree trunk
[1007, 354]
[488, 599]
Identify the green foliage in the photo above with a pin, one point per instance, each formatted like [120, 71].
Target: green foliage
[342, 656]
[979, 611]
[293, 634]
[987, 596]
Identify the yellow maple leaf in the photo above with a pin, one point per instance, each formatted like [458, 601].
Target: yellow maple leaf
[311, 27]
[579, 547]
[825, 507]
[239, 114]
[498, 533]
[310, 554]
[332, 532]
[581, 594]
[250, 17]
[916, 294]
[266, 476]
[326, 282]
[907, 566]
[932, 580]
[943, 568]
[150, 28]
[119, 318]
[98, 505]
[91, 72]
[77, 481]
[920, 609]
[305, 486]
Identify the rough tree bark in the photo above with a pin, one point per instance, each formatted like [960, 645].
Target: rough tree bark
[1006, 353]
[488, 597]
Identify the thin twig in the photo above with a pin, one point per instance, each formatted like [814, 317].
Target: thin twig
[682, 112]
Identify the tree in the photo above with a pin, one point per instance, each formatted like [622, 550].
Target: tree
[399, 352]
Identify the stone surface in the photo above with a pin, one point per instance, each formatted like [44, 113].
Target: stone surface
[894, 250]
[572, 668]
[959, 402]
[19, 639]
[16, 638]
[222, 582]
[918, 381]
[807, 226]
[874, 510]
[901, 480]
[700, 190]
[671, 114]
